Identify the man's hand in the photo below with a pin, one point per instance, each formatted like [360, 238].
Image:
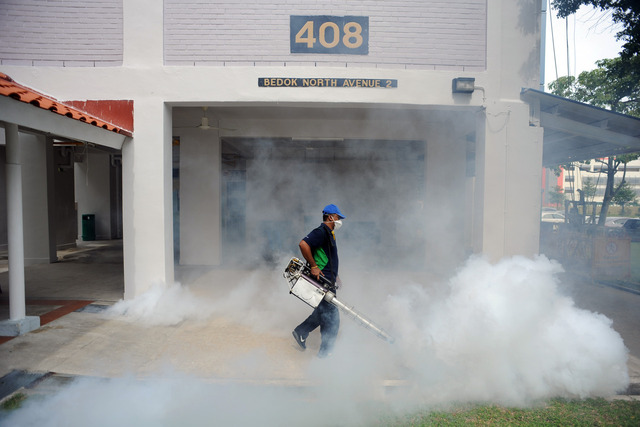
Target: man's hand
[305, 250]
[316, 272]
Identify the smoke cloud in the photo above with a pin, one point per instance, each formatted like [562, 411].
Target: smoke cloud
[499, 333]
[502, 333]
[162, 305]
[505, 333]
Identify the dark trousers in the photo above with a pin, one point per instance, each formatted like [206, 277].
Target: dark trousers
[326, 316]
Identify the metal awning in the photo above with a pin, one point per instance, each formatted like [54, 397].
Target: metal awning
[576, 131]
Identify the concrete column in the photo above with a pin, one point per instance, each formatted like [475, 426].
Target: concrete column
[18, 322]
[200, 168]
[147, 199]
[491, 139]
[508, 179]
[445, 206]
[524, 180]
[15, 233]
[35, 192]
[51, 200]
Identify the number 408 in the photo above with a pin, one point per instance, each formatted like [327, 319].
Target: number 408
[351, 35]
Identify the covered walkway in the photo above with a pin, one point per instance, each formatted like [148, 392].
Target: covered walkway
[47, 121]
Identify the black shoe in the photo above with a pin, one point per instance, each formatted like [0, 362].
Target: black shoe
[299, 340]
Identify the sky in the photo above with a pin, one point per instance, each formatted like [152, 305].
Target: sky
[591, 35]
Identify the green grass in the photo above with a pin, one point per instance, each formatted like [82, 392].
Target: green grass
[14, 402]
[558, 412]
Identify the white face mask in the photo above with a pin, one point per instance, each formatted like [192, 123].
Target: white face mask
[337, 224]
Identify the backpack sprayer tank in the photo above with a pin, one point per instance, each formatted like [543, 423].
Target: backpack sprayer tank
[304, 286]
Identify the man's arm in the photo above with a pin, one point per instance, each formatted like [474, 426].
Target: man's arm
[305, 250]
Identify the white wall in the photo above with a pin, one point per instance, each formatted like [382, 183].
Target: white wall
[434, 35]
[92, 188]
[62, 33]
[424, 80]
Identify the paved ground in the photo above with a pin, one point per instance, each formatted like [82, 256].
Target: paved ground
[77, 339]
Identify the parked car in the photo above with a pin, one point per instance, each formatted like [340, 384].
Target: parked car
[549, 209]
[632, 224]
[552, 217]
[632, 228]
[616, 221]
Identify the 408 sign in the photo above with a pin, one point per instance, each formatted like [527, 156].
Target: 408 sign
[329, 34]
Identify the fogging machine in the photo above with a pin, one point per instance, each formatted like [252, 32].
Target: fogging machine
[311, 291]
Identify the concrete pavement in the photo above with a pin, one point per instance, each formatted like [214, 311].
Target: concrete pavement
[77, 338]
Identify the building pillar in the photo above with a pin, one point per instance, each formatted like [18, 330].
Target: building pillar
[508, 179]
[34, 167]
[147, 199]
[18, 322]
[200, 212]
[445, 195]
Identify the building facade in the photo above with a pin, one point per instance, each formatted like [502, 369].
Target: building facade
[250, 116]
[594, 173]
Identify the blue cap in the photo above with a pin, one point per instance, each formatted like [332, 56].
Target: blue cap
[333, 209]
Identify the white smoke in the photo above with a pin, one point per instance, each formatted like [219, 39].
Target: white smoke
[163, 305]
[171, 401]
[497, 333]
[504, 333]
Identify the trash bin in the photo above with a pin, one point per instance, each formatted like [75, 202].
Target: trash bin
[88, 227]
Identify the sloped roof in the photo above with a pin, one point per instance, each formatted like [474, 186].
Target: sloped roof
[576, 131]
[19, 92]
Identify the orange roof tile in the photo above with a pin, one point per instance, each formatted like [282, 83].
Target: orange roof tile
[12, 89]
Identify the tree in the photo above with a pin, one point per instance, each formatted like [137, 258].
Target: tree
[625, 195]
[607, 87]
[625, 13]
[556, 196]
[610, 191]
[588, 189]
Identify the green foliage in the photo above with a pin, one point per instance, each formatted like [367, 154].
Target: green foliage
[626, 158]
[558, 412]
[567, 166]
[625, 13]
[556, 196]
[14, 402]
[588, 189]
[625, 195]
[611, 86]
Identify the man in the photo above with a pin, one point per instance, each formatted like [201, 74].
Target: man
[321, 252]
